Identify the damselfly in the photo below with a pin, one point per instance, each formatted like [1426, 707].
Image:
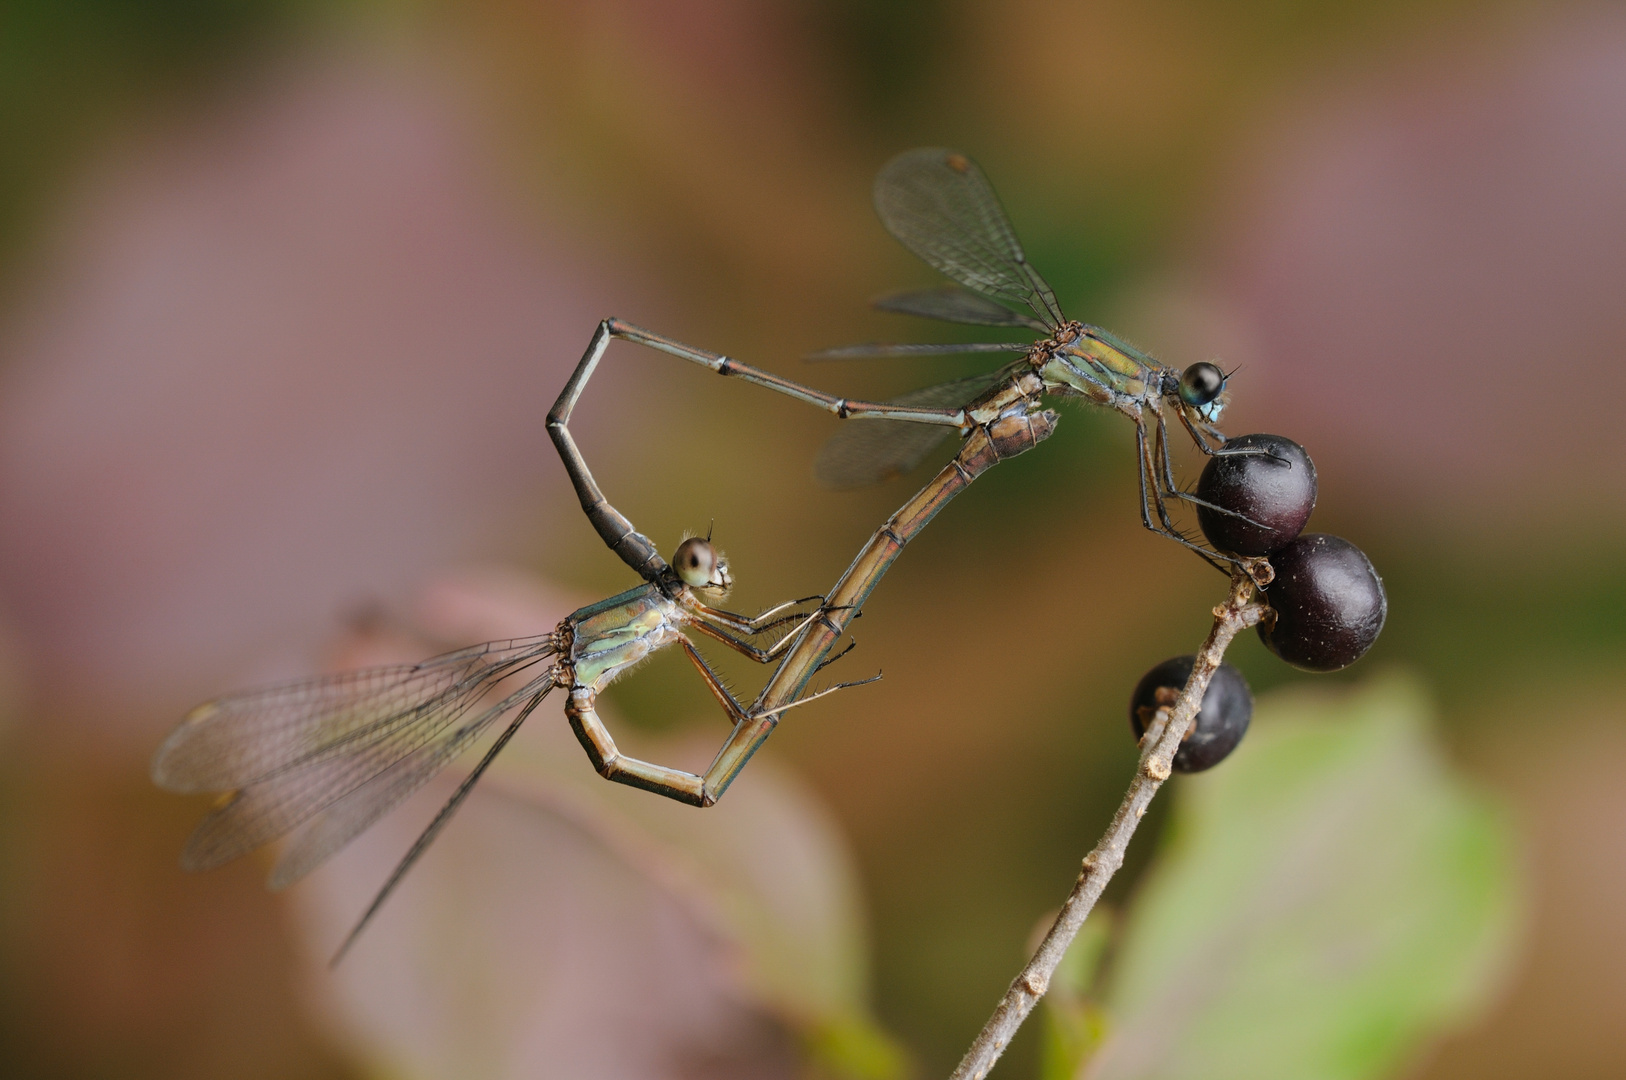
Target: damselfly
[322, 759]
[939, 205]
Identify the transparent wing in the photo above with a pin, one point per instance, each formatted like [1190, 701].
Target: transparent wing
[863, 452]
[294, 751]
[880, 350]
[239, 739]
[351, 813]
[950, 303]
[940, 206]
[275, 805]
[427, 837]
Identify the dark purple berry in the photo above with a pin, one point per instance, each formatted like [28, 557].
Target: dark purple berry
[1274, 491]
[1326, 603]
[1221, 722]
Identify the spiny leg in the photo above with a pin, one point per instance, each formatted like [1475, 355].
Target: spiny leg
[763, 656]
[852, 643]
[737, 712]
[1172, 490]
[1197, 436]
[1159, 459]
[1151, 491]
[1150, 497]
[745, 624]
[1222, 450]
[749, 735]
[685, 787]
[745, 648]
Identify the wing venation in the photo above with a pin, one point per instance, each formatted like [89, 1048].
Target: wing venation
[876, 350]
[331, 755]
[864, 452]
[940, 206]
[951, 303]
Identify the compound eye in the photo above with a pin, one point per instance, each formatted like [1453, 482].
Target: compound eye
[1201, 384]
[695, 561]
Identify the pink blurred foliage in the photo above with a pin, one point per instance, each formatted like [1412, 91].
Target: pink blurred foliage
[523, 947]
[288, 362]
[1429, 261]
[566, 926]
[287, 359]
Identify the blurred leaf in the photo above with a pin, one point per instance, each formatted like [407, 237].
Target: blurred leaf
[766, 865]
[882, 49]
[768, 868]
[568, 926]
[1329, 899]
[855, 1047]
[1074, 1023]
[72, 70]
[1072, 1033]
[1076, 974]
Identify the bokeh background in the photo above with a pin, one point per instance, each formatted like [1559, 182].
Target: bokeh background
[286, 290]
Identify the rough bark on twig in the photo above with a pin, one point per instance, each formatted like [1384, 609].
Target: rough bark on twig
[1158, 748]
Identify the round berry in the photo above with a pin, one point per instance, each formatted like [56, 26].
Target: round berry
[1326, 603]
[1272, 489]
[1221, 722]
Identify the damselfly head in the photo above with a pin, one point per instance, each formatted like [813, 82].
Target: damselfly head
[701, 566]
[1202, 389]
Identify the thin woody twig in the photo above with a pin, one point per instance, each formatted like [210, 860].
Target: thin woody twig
[1158, 746]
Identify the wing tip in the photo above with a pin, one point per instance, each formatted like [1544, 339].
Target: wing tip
[163, 769]
[202, 852]
[201, 713]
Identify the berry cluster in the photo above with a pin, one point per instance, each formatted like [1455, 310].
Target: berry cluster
[1326, 602]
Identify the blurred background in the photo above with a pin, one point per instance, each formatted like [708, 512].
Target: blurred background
[287, 288]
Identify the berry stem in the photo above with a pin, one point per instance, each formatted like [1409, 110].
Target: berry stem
[1240, 610]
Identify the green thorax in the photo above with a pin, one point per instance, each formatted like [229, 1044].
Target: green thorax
[1101, 367]
[616, 633]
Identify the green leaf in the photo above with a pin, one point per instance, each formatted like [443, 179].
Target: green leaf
[1074, 1023]
[1329, 899]
[854, 1047]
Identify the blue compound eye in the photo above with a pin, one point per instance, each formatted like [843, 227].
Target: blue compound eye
[1201, 384]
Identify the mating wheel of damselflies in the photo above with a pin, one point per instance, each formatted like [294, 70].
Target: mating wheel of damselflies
[329, 756]
[940, 206]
